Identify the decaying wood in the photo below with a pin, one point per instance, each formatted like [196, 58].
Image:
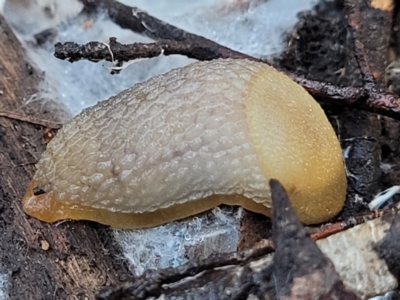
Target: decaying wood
[139, 21]
[42, 261]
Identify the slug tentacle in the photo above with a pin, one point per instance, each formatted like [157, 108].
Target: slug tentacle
[189, 140]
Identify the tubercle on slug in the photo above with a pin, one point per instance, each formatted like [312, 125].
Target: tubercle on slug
[167, 145]
[44, 208]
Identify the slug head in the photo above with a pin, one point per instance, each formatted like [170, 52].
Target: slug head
[296, 144]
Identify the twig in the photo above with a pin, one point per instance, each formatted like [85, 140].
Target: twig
[330, 93]
[368, 98]
[139, 21]
[119, 53]
[333, 228]
[297, 257]
[35, 121]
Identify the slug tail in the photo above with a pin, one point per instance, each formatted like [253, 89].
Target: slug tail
[44, 208]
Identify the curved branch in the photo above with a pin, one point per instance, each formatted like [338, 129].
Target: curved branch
[139, 21]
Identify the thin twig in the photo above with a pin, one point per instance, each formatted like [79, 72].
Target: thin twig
[31, 120]
[333, 228]
[139, 21]
[119, 53]
[327, 92]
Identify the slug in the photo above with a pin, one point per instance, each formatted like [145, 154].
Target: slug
[187, 141]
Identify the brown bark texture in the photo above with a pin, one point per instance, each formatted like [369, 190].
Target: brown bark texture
[42, 261]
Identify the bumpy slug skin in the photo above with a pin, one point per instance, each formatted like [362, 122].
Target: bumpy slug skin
[187, 141]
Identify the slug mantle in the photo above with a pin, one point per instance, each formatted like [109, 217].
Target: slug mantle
[187, 141]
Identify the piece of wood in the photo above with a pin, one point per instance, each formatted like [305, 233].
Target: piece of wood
[43, 261]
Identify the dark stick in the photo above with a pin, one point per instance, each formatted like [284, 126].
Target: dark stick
[119, 53]
[139, 21]
[31, 120]
[297, 257]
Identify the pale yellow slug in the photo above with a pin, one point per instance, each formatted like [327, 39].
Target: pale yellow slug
[187, 141]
